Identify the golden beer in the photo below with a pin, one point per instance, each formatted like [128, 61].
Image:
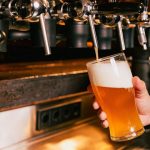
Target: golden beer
[111, 81]
[121, 111]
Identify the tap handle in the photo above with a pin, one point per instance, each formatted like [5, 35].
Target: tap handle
[142, 37]
[93, 35]
[119, 25]
[45, 38]
[93, 31]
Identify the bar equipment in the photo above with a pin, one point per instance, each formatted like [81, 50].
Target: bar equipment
[29, 11]
[83, 20]
[86, 12]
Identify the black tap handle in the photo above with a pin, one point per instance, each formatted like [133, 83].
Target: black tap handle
[121, 8]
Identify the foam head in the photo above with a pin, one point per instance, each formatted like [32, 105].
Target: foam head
[110, 74]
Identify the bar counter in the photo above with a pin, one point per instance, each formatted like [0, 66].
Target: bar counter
[86, 136]
[89, 136]
[29, 83]
[32, 83]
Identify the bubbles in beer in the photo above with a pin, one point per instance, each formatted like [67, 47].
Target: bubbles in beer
[110, 74]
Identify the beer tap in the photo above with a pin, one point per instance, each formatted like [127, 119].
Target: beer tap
[28, 10]
[142, 23]
[111, 13]
[115, 20]
[116, 13]
[122, 43]
[90, 10]
[142, 37]
[80, 11]
[93, 35]
[41, 11]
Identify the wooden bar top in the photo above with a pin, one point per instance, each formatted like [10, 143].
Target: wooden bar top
[28, 83]
[42, 68]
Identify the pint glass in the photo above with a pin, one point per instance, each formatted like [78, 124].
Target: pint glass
[111, 81]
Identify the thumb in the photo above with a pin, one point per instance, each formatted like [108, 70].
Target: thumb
[139, 87]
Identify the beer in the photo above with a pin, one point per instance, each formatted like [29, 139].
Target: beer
[121, 111]
[111, 82]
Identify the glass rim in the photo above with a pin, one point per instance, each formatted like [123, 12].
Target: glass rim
[105, 58]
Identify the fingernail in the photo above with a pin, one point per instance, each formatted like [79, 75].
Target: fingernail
[95, 105]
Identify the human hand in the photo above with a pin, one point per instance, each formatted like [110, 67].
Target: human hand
[142, 100]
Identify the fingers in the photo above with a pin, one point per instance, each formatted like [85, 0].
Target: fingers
[138, 83]
[103, 118]
[145, 119]
[95, 105]
[101, 114]
[105, 124]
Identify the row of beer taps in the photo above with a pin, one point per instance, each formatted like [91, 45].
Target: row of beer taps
[112, 14]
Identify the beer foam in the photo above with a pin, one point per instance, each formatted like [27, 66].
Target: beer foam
[110, 74]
